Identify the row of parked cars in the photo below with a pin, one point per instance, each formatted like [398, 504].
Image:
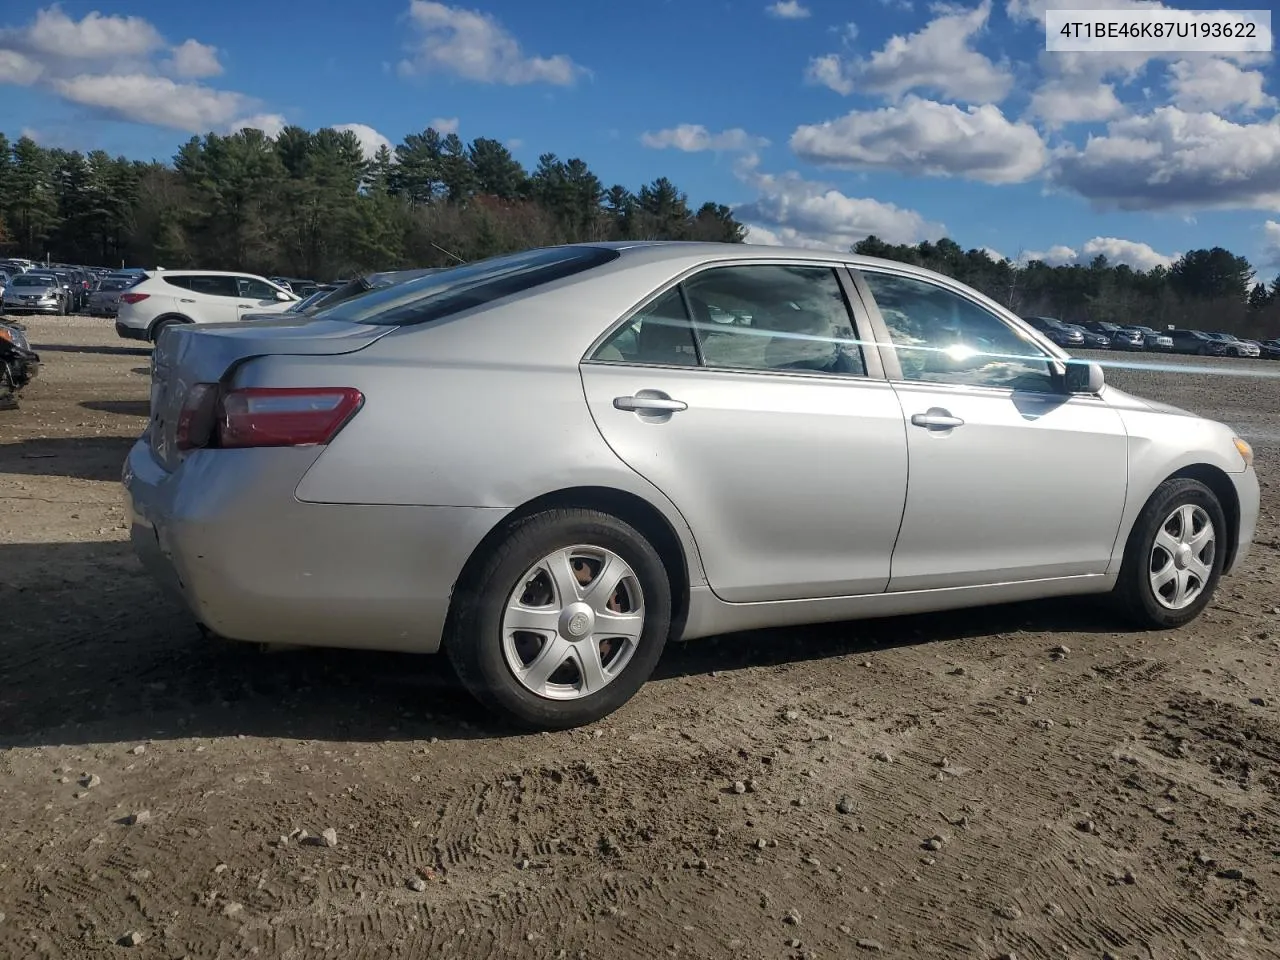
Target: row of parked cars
[1101, 335]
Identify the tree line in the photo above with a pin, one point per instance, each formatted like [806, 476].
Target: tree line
[311, 204]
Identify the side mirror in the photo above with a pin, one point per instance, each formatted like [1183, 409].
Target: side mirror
[1083, 376]
[283, 297]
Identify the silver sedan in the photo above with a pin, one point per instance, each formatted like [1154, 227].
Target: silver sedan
[549, 464]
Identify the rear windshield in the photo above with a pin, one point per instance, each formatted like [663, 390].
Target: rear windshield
[115, 284]
[456, 289]
[26, 280]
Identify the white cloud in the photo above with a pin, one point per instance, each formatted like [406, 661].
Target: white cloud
[1055, 256]
[797, 212]
[1215, 84]
[19, 69]
[194, 60]
[694, 137]
[1138, 255]
[939, 58]
[1271, 243]
[269, 123]
[370, 139]
[1133, 253]
[474, 46]
[1032, 11]
[1174, 160]
[444, 125]
[1059, 102]
[95, 37]
[993, 253]
[112, 65]
[923, 137]
[787, 10]
[155, 100]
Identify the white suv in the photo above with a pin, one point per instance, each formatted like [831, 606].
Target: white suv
[195, 296]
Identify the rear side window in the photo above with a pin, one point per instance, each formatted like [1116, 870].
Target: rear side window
[208, 284]
[443, 294]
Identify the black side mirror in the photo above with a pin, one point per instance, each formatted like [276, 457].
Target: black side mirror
[1083, 376]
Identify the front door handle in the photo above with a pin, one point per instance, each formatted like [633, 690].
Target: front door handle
[663, 404]
[245, 306]
[936, 420]
[185, 300]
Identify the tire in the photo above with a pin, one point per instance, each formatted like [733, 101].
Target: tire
[482, 652]
[1134, 588]
[160, 327]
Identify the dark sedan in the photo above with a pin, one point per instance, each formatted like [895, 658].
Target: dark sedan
[1092, 339]
[1063, 334]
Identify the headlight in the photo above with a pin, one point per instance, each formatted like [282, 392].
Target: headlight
[1245, 451]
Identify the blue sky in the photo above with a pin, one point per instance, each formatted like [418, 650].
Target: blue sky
[819, 121]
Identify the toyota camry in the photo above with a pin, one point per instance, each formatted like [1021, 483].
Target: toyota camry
[549, 464]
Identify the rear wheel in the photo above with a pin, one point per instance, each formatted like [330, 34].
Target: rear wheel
[563, 622]
[1174, 556]
[160, 328]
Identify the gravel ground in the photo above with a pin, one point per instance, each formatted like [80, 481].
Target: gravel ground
[939, 786]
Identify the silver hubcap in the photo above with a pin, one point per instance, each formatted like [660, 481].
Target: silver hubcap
[573, 622]
[1182, 557]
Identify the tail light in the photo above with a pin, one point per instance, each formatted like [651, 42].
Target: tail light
[133, 297]
[264, 416]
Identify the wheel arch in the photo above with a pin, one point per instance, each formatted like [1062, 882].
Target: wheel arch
[628, 507]
[1216, 479]
[165, 318]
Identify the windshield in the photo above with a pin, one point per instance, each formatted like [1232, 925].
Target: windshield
[452, 291]
[32, 280]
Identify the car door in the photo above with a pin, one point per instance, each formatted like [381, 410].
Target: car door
[256, 296]
[767, 423]
[1011, 478]
[210, 297]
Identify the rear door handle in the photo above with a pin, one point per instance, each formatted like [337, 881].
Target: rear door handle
[936, 420]
[665, 404]
[185, 300]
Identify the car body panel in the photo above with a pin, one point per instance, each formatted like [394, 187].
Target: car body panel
[809, 508]
[976, 515]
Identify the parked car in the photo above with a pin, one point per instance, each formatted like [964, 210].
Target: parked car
[1091, 339]
[172, 297]
[104, 301]
[1235, 347]
[1197, 342]
[1137, 337]
[34, 293]
[19, 364]
[1064, 335]
[1269, 349]
[61, 279]
[550, 463]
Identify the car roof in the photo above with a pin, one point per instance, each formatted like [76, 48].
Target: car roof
[206, 273]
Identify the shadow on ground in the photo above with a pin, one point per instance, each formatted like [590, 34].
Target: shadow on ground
[127, 408]
[107, 350]
[91, 651]
[84, 458]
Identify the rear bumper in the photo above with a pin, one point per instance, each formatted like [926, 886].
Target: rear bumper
[130, 333]
[225, 534]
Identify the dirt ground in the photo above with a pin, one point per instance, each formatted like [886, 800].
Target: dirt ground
[767, 795]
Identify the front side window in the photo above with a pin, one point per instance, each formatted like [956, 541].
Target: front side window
[256, 289]
[783, 318]
[942, 337]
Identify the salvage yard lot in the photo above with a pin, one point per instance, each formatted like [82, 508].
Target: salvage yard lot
[766, 795]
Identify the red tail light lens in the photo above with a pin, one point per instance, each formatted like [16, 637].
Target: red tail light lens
[196, 419]
[133, 297]
[285, 416]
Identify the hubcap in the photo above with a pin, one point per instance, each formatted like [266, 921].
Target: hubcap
[573, 622]
[1182, 557]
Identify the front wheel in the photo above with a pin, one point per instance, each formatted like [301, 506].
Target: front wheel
[563, 622]
[1174, 556]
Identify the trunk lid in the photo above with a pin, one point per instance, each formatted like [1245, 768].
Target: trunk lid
[205, 353]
